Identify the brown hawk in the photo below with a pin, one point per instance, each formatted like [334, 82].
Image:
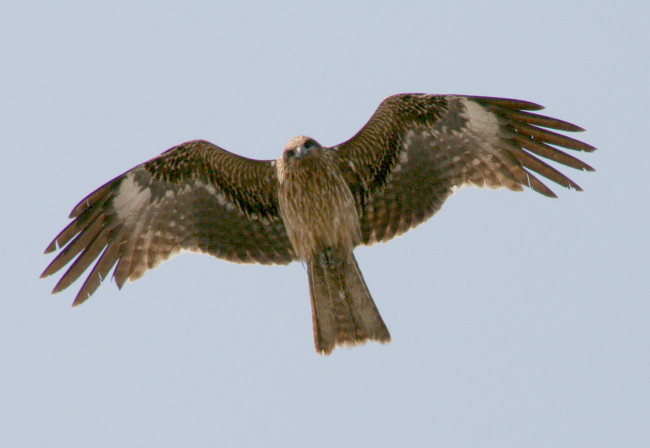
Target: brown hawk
[314, 203]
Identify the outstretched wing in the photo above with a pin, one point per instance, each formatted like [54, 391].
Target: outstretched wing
[417, 149]
[195, 196]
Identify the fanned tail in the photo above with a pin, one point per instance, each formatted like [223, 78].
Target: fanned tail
[342, 308]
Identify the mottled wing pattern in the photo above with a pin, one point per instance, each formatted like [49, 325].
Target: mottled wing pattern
[195, 196]
[417, 149]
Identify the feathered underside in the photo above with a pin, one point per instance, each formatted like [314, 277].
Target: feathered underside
[417, 149]
[195, 196]
[400, 167]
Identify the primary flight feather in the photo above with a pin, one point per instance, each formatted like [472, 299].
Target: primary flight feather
[314, 203]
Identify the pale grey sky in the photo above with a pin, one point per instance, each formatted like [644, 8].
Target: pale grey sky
[517, 321]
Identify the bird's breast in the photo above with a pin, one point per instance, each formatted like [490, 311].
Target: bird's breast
[318, 209]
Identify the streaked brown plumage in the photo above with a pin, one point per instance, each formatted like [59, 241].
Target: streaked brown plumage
[313, 203]
[320, 215]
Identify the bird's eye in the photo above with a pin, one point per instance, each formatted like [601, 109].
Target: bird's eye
[309, 144]
[291, 152]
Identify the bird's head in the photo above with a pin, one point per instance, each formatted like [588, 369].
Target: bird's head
[300, 147]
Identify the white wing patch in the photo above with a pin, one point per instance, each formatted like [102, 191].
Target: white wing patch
[208, 186]
[480, 120]
[130, 199]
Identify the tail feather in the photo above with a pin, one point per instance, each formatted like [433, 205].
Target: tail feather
[342, 308]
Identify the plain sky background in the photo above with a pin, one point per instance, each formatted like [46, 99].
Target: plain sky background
[517, 320]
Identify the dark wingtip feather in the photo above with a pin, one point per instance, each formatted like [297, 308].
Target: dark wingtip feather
[508, 103]
[50, 269]
[51, 247]
[537, 185]
[546, 192]
[533, 163]
[92, 250]
[553, 138]
[551, 153]
[80, 298]
[66, 234]
[99, 272]
[539, 120]
[94, 197]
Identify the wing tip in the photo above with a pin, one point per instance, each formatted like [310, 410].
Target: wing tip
[509, 103]
[79, 299]
[548, 193]
[50, 248]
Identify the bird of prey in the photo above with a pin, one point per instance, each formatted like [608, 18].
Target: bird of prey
[314, 203]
